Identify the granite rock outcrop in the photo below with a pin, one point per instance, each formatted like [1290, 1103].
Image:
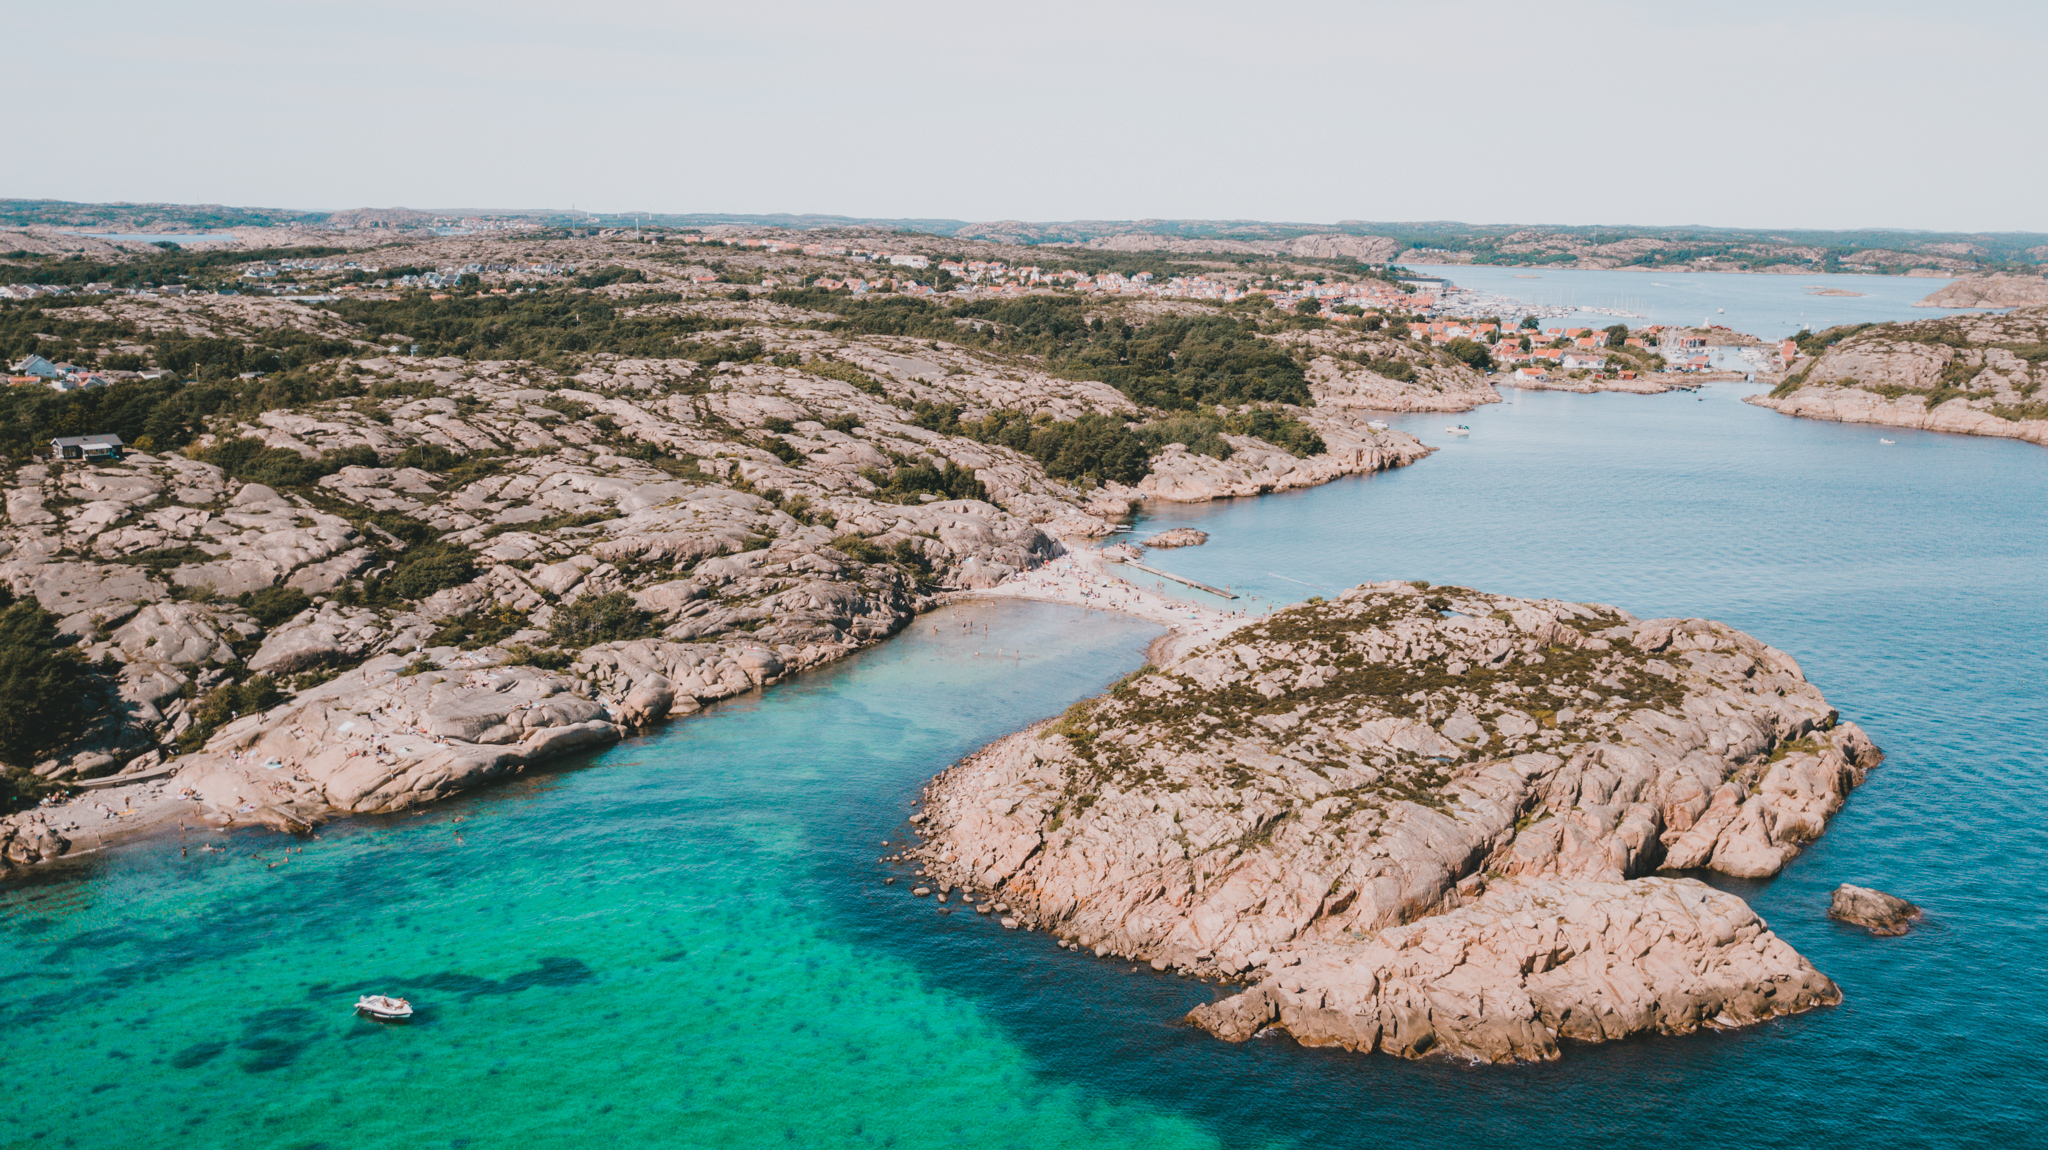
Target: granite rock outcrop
[1414, 771]
[1874, 910]
[1971, 375]
[718, 515]
[1990, 291]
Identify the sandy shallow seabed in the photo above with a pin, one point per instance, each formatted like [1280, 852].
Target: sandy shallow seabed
[1084, 578]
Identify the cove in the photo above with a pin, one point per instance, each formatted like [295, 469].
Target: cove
[687, 942]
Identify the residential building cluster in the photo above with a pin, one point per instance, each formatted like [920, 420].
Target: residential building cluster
[31, 291]
[1368, 294]
[485, 224]
[35, 371]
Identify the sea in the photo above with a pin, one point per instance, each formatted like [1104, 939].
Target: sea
[1768, 306]
[691, 940]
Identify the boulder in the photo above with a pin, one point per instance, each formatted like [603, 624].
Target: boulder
[1876, 911]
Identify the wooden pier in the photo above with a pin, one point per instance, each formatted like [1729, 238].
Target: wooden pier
[1217, 591]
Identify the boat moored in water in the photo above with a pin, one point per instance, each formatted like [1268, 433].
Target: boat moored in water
[1458, 429]
[383, 1008]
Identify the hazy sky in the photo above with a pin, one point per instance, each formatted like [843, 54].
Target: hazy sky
[1724, 112]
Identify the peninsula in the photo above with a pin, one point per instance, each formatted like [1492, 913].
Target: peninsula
[380, 523]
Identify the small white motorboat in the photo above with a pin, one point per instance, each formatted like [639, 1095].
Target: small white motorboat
[384, 1008]
[1459, 429]
[1882, 439]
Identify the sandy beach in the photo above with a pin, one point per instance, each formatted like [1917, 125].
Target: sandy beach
[1085, 577]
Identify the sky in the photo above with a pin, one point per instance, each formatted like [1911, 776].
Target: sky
[1725, 113]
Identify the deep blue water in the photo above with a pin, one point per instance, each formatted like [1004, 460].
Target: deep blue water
[687, 941]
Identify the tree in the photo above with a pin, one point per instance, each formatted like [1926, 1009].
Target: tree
[1470, 352]
[1617, 336]
[598, 619]
[1309, 306]
[1530, 323]
[43, 695]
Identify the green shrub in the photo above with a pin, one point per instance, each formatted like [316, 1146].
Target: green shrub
[226, 703]
[273, 605]
[1198, 433]
[599, 619]
[1279, 429]
[425, 568]
[403, 527]
[858, 549]
[843, 372]
[478, 628]
[940, 417]
[906, 483]
[43, 687]
[163, 558]
[1470, 352]
[783, 449]
[1394, 368]
[249, 460]
[613, 274]
[1092, 447]
[546, 658]
[427, 457]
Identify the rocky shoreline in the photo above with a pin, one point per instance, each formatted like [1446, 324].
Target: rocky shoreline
[1856, 405]
[1423, 821]
[1969, 375]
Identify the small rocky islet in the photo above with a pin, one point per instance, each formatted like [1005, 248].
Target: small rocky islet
[1424, 821]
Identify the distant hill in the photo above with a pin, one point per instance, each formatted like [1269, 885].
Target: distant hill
[1795, 251]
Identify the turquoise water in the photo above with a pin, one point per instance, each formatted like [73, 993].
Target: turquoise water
[1766, 306]
[687, 942]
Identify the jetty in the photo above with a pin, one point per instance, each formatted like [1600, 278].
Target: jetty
[1217, 591]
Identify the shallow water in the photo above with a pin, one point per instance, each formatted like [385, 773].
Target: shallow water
[1769, 306]
[688, 942]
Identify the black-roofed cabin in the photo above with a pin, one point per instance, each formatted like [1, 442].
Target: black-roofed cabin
[86, 447]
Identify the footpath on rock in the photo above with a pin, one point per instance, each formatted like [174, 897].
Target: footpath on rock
[1423, 821]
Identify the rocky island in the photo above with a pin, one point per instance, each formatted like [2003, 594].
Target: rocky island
[1424, 821]
[1973, 375]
